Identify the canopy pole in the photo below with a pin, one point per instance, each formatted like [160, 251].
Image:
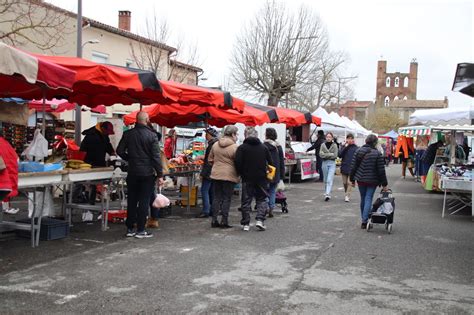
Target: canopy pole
[78, 122]
[43, 127]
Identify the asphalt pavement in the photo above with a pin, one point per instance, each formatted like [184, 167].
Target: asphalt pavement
[315, 259]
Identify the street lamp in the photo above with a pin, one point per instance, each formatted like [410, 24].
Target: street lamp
[91, 41]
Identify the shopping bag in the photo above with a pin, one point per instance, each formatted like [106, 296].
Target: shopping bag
[38, 148]
[386, 208]
[280, 186]
[429, 179]
[161, 201]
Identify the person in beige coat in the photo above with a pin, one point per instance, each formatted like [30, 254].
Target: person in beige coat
[224, 176]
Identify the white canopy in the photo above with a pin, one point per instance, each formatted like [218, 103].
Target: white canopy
[448, 116]
[326, 118]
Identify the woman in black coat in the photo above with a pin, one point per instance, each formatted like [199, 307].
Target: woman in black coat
[368, 169]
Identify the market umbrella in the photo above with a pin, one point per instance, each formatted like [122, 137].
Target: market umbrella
[98, 84]
[31, 76]
[191, 94]
[171, 115]
[52, 106]
[290, 117]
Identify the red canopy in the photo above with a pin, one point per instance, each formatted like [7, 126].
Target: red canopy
[176, 114]
[97, 84]
[29, 76]
[290, 117]
[51, 106]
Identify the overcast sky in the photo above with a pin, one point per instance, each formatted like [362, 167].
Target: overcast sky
[439, 34]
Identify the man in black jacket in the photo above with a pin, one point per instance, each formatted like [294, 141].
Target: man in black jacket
[368, 169]
[139, 146]
[96, 144]
[317, 146]
[206, 181]
[346, 153]
[251, 161]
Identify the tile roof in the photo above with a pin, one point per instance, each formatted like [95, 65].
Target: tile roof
[185, 66]
[419, 103]
[357, 104]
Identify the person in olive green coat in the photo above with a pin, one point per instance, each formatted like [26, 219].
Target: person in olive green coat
[328, 152]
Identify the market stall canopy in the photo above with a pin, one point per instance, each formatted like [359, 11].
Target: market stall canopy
[290, 117]
[445, 116]
[32, 76]
[413, 131]
[51, 106]
[171, 115]
[464, 79]
[326, 119]
[98, 84]
[191, 94]
[391, 134]
[365, 130]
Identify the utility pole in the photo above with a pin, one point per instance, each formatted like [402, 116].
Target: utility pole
[77, 130]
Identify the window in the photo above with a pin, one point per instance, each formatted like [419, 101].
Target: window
[387, 82]
[100, 57]
[128, 63]
[387, 101]
[405, 82]
[405, 98]
[396, 98]
[397, 82]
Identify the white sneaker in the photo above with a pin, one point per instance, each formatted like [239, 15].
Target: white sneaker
[346, 199]
[246, 228]
[260, 226]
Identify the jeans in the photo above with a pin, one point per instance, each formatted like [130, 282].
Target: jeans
[329, 169]
[366, 196]
[206, 193]
[272, 195]
[223, 191]
[249, 192]
[418, 162]
[319, 168]
[139, 189]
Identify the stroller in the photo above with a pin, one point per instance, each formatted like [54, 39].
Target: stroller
[281, 200]
[383, 211]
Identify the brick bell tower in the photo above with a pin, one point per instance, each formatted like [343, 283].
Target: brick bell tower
[396, 85]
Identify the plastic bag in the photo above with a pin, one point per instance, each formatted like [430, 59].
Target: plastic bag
[386, 208]
[161, 201]
[38, 148]
[280, 186]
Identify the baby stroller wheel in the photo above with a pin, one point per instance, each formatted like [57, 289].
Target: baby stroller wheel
[389, 229]
[369, 225]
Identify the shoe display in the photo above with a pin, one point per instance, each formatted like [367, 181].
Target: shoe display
[215, 224]
[346, 199]
[152, 223]
[246, 228]
[260, 226]
[144, 234]
[130, 233]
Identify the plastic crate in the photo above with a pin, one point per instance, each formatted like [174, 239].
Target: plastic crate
[51, 229]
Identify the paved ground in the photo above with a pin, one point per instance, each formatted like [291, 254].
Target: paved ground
[315, 259]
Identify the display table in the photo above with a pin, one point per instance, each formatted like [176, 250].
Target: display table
[190, 175]
[461, 194]
[289, 163]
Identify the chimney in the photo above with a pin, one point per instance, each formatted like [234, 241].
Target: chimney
[125, 18]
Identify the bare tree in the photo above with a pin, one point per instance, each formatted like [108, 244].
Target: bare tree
[32, 22]
[154, 57]
[280, 53]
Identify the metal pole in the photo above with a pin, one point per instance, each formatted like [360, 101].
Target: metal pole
[77, 130]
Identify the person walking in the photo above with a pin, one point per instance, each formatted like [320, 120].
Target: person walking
[428, 158]
[152, 221]
[139, 146]
[224, 176]
[170, 144]
[276, 152]
[368, 169]
[252, 160]
[328, 153]
[316, 147]
[206, 181]
[346, 153]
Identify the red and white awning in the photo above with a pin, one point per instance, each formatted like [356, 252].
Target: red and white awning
[415, 131]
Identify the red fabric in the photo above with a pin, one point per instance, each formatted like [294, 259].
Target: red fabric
[51, 106]
[170, 144]
[175, 114]
[294, 118]
[51, 79]
[9, 176]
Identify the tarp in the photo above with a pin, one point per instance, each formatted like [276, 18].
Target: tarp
[30, 76]
[391, 134]
[448, 116]
[326, 119]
